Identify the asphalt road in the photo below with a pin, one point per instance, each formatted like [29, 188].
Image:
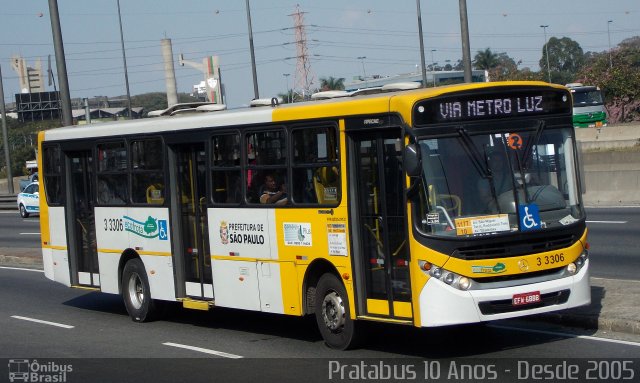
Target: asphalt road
[85, 324]
[19, 232]
[614, 237]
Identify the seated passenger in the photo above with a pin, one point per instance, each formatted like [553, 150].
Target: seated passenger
[271, 193]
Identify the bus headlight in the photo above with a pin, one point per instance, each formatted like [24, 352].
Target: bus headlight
[572, 268]
[464, 283]
[449, 278]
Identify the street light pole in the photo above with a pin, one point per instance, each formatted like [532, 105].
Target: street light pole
[256, 94]
[364, 73]
[5, 138]
[433, 68]
[286, 76]
[546, 50]
[424, 67]
[124, 61]
[609, 37]
[61, 64]
[466, 48]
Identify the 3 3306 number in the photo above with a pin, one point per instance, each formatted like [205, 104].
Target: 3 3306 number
[113, 224]
[550, 259]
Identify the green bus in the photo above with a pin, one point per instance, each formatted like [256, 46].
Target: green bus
[588, 106]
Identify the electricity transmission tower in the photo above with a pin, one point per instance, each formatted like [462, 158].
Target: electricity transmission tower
[304, 76]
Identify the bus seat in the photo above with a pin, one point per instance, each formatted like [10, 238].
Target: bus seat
[325, 184]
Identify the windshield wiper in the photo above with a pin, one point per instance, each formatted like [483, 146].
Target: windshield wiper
[526, 155]
[471, 150]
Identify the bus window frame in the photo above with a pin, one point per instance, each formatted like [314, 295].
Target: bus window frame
[97, 172]
[329, 125]
[129, 142]
[261, 170]
[43, 181]
[211, 167]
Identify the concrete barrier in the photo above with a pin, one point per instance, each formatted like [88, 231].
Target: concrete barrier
[611, 164]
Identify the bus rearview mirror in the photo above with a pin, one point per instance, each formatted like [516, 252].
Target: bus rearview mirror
[411, 160]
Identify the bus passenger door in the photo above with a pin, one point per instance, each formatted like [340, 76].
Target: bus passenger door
[83, 251]
[191, 193]
[379, 224]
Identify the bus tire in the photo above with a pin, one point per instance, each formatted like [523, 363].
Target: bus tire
[334, 320]
[136, 292]
[23, 211]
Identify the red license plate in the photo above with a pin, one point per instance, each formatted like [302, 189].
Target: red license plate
[526, 298]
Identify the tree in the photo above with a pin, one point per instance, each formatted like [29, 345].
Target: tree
[331, 83]
[619, 83]
[485, 59]
[566, 59]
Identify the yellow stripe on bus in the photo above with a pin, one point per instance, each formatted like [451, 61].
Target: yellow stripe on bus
[140, 252]
[52, 247]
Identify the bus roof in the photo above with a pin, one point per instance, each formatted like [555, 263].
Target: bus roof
[345, 106]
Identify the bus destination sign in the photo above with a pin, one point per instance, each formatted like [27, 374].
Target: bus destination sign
[479, 107]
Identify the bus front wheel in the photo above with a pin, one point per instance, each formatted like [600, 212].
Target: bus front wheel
[337, 327]
[136, 292]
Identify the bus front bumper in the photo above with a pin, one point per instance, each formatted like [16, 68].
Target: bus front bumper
[443, 305]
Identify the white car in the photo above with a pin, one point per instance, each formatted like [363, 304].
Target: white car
[29, 200]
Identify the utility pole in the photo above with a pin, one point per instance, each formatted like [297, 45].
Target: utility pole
[61, 64]
[609, 37]
[433, 68]
[546, 50]
[256, 94]
[124, 60]
[466, 48]
[5, 138]
[424, 67]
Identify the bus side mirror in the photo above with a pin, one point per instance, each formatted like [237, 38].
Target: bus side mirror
[411, 160]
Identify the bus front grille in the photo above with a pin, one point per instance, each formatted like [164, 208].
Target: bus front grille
[513, 248]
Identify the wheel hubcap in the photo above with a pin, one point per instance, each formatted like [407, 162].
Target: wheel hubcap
[136, 291]
[333, 312]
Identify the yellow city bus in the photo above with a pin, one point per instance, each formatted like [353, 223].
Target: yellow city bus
[425, 207]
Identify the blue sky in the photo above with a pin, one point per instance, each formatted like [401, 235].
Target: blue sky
[338, 32]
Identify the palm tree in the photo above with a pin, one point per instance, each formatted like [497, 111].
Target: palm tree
[486, 59]
[331, 83]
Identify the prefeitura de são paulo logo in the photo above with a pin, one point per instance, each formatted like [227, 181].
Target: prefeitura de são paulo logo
[224, 232]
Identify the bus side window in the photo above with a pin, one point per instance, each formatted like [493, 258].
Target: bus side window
[113, 180]
[147, 172]
[225, 168]
[266, 154]
[316, 170]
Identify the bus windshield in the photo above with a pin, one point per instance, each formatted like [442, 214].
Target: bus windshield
[587, 97]
[483, 189]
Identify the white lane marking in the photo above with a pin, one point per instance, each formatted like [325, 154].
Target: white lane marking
[204, 350]
[42, 321]
[614, 207]
[21, 268]
[607, 221]
[29, 233]
[566, 334]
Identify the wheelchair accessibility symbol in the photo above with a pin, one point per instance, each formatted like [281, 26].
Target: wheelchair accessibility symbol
[162, 230]
[529, 217]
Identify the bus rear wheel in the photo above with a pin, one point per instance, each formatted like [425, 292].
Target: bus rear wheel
[333, 316]
[136, 292]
